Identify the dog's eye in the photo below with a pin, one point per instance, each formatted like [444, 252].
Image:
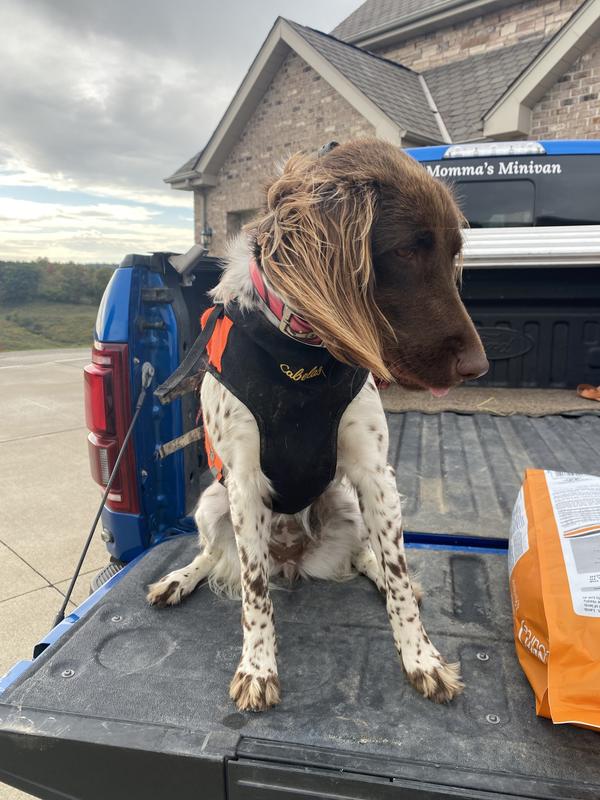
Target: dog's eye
[404, 252]
[422, 242]
[425, 240]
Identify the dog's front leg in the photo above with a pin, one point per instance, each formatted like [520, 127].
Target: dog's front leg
[362, 456]
[424, 666]
[234, 434]
[255, 685]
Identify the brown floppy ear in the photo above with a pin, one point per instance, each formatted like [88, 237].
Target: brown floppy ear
[315, 243]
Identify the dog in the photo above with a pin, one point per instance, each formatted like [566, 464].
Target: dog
[349, 275]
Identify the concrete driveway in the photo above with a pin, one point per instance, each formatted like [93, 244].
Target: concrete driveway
[47, 497]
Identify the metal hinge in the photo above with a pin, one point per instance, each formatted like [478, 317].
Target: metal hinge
[159, 294]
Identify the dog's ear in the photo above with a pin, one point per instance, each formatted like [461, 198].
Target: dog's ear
[315, 246]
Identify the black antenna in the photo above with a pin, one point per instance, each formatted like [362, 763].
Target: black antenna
[147, 375]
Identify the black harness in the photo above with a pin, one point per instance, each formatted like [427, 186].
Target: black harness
[297, 395]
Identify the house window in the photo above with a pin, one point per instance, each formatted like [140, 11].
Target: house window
[237, 219]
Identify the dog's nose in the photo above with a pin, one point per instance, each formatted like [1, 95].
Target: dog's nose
[472, 364]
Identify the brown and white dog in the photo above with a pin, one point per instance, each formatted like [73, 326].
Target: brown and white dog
[364, 245]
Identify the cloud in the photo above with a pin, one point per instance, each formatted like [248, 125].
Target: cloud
[98, 111]
[110, 97]
[125, 92]
[53, 213]
[101, 232]
[89, 231]
[17, 173]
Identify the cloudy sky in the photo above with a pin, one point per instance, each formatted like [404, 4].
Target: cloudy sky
[102, 99]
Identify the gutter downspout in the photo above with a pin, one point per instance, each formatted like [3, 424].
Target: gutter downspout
[438, 117]
[203, 212]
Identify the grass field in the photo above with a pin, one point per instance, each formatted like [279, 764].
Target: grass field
[43, 325]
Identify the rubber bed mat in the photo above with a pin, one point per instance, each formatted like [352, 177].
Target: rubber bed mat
[346, 702]
[461, 473]
[502, 402]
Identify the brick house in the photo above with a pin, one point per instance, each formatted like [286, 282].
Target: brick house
[414, 72]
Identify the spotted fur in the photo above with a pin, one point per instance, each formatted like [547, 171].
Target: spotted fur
[397, 268]
[344, 530]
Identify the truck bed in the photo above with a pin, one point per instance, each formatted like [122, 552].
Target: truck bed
[460, 473]
[132, 701]
[155, 682]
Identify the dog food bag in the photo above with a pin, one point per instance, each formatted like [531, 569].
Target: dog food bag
[554, 567]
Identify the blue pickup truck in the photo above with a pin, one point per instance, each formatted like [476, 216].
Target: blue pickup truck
[126, 701]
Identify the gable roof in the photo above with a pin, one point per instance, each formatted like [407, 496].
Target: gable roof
[465, 90]
[394, 88]
[392, 97]
[384, 21]
[488, 95]
[187, 170]
[510, 114]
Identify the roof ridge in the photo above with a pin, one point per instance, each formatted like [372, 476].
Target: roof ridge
[362, 25]
[353, 46]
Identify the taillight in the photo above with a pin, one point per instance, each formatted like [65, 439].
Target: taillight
[108, 414]
[99, 414]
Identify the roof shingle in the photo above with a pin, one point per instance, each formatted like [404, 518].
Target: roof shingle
[395, 89]
[375, 14]
[464, 90]
[186, 168]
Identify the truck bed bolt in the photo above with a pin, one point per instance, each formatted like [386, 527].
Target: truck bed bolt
[483, 656]
[493, 719]
[68, 673]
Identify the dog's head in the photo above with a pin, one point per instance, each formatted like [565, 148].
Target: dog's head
[365, 245]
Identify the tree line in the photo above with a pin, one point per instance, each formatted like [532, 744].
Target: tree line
[22, 282]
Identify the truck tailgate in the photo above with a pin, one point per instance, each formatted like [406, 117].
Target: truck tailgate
[132, 701]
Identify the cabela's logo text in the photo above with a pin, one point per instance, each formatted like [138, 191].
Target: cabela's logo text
[301, 374]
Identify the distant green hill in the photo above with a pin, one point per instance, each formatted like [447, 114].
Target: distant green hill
[43, 324]
[49, 304]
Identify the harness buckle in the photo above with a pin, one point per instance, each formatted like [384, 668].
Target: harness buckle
[284, 323]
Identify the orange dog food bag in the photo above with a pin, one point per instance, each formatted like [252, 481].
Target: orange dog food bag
[554, 568]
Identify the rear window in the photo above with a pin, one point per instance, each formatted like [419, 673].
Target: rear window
[497, 204]
[507, 191]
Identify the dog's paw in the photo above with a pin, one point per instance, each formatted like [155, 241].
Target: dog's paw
[253, 692]
[441, 683]
[168, 591]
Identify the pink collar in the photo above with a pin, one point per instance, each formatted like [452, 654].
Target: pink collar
[279, 314]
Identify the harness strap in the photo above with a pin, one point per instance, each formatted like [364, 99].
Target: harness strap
[166, 449]
[184, 378]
